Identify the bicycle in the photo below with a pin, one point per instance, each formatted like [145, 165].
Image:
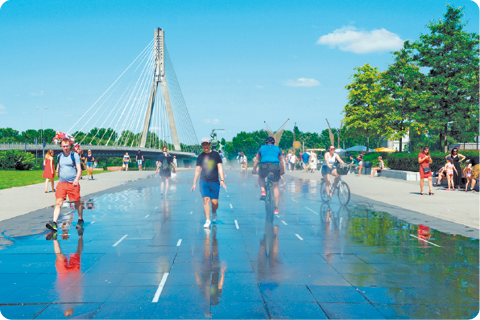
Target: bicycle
[341, 187]
[270, 197]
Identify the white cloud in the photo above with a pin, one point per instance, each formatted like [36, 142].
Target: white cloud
[302, 82]
[214, 121]
[2, 109]
[37, 93]
[349, 39]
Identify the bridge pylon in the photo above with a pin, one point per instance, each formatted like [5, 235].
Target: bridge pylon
[159, 78]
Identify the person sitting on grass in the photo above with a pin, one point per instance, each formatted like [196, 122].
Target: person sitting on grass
[379, 168]
[449, 168]
[467, 173]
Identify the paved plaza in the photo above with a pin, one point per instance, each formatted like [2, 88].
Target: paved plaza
[144, 255]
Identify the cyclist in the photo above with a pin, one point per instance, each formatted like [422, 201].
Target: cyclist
[271, 160]
[329, 168]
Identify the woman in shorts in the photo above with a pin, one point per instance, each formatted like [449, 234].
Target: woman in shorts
[89, 159]
[329, 168]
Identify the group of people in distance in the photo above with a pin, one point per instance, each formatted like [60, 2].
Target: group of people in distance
[452, 171]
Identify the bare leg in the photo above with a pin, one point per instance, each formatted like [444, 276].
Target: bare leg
[360, 170]
[327, 183]
[466, 184]
[474, 181]
[162, 184]
[261, 182]
[53, 184]
[206, 207]
[79, 208]
[214, 205]
[422, 180]
[276, 192]
[58, 209]
[46, 185]
[430, 185]
[167, 182]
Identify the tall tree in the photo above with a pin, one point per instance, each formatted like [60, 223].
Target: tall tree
[451, 55]
[363, 112]
[402, 82]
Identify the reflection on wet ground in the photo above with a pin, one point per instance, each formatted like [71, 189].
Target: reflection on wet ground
[142, 255]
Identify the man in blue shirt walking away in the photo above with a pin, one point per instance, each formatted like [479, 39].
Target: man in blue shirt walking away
[305, 158]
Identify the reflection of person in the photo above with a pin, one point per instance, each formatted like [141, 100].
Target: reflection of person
[423, 232]
[49, 170]
[164, 167]
[424, 159]
[69, 171]
[68, 272]
[209, 168]
[126, 161]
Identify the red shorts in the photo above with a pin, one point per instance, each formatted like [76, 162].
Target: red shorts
[66, 188]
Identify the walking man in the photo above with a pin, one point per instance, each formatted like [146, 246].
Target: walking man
[139, 160]
[164, 166]
[209, 168]
[305, 158]
[69, 172]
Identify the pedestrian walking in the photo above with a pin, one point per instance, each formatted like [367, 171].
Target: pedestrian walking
[450, 169]
[293, 161]
[305, 158]
[164, 167]
[424, 159]
[457, 173]
[139, 159]
[174, 172]
[69, 171]
[49, 170]
[89, 159]
[126, 161]
[209, 168]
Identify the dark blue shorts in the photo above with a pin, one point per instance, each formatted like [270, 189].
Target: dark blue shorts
[209, 189]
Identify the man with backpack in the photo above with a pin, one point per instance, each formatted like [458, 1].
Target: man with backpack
[164, 167]
[69, 171]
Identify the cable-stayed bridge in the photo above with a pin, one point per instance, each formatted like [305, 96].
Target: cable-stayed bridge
[143, 109]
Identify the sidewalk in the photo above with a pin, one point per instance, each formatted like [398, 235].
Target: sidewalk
[21, 200]
[455, 206]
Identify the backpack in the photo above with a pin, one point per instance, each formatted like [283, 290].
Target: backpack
[165, 165]
[73, 161]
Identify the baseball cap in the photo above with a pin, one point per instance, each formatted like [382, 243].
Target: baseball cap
[205, 139]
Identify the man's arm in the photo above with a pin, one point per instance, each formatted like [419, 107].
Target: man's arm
[220, 173]
[79, 174]
[195, 177]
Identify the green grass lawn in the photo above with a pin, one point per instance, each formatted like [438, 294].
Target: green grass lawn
[14, 178]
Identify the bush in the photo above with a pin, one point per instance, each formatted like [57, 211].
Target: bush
[16, 159]
[409, 162]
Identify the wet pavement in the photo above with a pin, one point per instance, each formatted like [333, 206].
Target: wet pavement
[144, 255]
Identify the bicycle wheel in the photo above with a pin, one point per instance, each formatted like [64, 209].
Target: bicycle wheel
[343, 193]
[269, 199]
[323, 192]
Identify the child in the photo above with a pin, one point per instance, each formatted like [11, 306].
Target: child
[449, 167]
[440, 174]
[467, 173]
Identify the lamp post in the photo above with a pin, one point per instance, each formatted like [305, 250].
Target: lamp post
[41, 132]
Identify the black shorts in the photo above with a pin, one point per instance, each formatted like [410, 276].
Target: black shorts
[266, 167]
[166, 173]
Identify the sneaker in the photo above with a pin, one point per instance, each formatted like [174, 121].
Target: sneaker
[263, 195]
[52, 225]
[447, 189]
[453, 189]
[276, 211]
[214, 218]
[80, 224]
[51, 236]
[207, 224]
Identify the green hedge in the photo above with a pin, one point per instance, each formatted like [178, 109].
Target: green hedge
[16, 160]
[409, 162]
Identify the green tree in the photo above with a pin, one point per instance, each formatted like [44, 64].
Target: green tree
[363, 112]
[9, 135]
[402, 82]
[451, 55]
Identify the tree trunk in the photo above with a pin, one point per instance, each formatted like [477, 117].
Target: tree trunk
[440, 139]
[445, 141]
[400, 145]
[368, 142]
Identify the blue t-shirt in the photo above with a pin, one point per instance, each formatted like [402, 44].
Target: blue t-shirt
[270, 153]
[305, 157]
[67, 171]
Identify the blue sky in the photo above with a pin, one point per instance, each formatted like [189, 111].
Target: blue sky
[239, 63]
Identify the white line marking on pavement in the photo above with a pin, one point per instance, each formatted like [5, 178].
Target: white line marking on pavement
[231, 207]
[116, 243]
[179, 243]
[228, 196]
[156, 207]
[311, 210]
[147, 215]
[160, 288]
[236, 224]
[191, 212]
[92, 222]
[294, 200]
[426, 241]
[284, 223]
[299, 237]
